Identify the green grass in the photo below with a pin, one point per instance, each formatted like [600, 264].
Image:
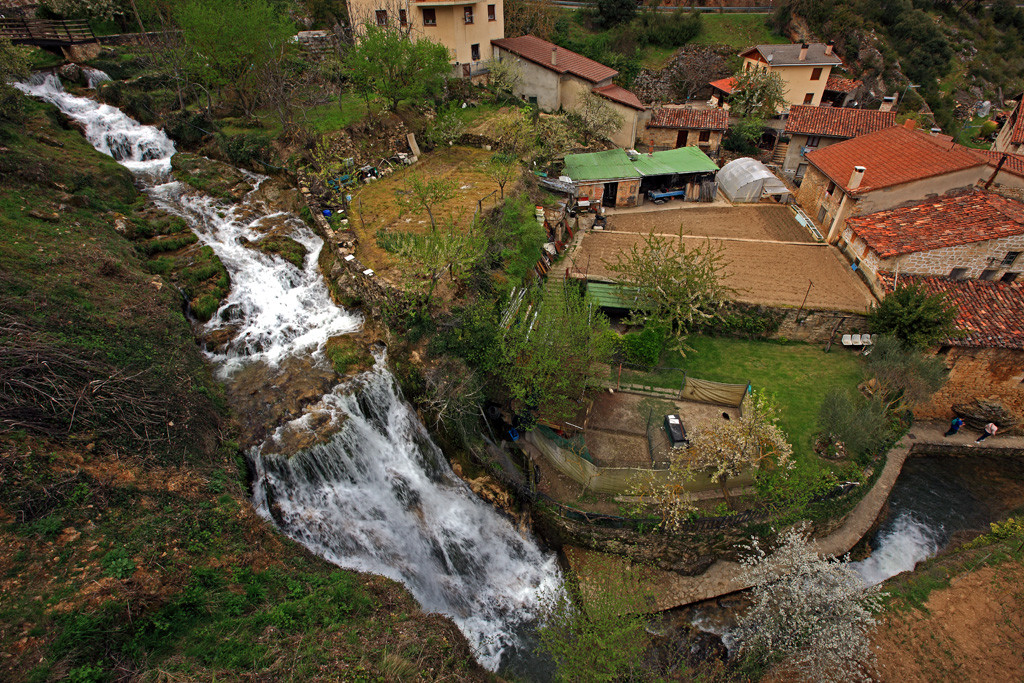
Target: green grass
[737, 30]
[326, 118]
[655, 58]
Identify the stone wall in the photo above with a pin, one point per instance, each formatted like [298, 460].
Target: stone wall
[666, 138]
[996, 374]
[817, 327]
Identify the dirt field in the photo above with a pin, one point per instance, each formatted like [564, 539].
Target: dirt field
[761, 272]
[759, 222]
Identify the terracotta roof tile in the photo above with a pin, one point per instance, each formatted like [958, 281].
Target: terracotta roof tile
[990, 314]
[946, 222]
[620, 95]
[1017, 134]
[893, 156]
[539, 52]
[1014, 162]
[724, 84]
[837, 122]
[691, 119]
[840, 84]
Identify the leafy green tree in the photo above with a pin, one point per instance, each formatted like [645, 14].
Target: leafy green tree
[905, 376]
[387, 63]
[445, 250]
[914, 317]
[593, 118]
[757, 94]
[861, 426]
[13, 67]
[615, 12]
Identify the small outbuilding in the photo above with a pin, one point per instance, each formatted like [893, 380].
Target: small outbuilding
[747, 180]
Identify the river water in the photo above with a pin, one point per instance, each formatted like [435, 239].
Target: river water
[378, 495]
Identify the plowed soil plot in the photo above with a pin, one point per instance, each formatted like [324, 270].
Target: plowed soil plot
[759, 222]
[771, 273]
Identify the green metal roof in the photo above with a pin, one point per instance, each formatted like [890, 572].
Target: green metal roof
[609, 295]
[615, 164]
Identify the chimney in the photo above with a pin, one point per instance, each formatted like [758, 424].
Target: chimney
[803, 51]
[855, 178]
[910, 124]
[554, 55]
[828, 47]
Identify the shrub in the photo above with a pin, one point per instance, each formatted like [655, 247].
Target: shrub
[204, 307]
[677, 29]
[246, 149]
[189, 127]
[861, 426]
[643, 348]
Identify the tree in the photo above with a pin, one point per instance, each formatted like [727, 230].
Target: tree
[861, 426]
[813, 611]
[386, 63]
[758, 94]
[693, 70]
[614, 12]
[504, 76]
[440, 251]
[502, 169]
[452, 393]
[914, 317]
[905, 376]
[513, 132]
[594, 117]
[675, 286]
[551, 354]
[447, 126]
[428, 193]
[13, 67]
[229, 45]
[530, 17]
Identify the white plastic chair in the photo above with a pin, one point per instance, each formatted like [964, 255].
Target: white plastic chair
[865, 339]
[847, 341]
[855, 340]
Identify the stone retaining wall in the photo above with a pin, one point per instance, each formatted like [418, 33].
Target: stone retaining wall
[817, 327]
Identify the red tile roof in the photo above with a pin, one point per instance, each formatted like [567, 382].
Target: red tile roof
[990, 314]
[893, 156]
[946, 222]
[620, 95]
[1017, 134]
[724, 84]
[840, 84]
[539, 52]
[1014, 162]
[837, 122]
[690, 119]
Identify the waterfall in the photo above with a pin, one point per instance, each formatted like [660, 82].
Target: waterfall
[93, 77]
[905, 542]
[378, 496]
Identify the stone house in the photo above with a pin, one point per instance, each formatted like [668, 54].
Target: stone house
[811, 128]
[1011, 135]
[465, 28]
[987, 360]
[975, 235]
[804, 68]
[671, 126]
[554, 79]
[889, 168]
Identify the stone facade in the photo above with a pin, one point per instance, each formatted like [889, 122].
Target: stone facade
[996, 374]
[818, 327]
[627, 194]
[670, 138]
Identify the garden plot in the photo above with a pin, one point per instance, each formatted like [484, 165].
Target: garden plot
[772, 222]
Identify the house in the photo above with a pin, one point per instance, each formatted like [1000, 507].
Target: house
[804, 68]
[465, 28]
[977, 234]
[889, 168]
[554, 78]
[720, 92]
[987, 360]
[670, 127]
[810, 128]
[839, 90]
[1011, 135]
[620, 178]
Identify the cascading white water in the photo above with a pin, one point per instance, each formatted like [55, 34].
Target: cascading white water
[379, 495]
[93, 77]
[900, 548]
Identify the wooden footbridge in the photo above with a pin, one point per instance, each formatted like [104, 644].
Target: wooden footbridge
[51, 35]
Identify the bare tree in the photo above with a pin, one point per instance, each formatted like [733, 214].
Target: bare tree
[502, 169]
[693, 70]
[427, 194]
[595, 117]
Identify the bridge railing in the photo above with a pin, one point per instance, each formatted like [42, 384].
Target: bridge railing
[25, 31]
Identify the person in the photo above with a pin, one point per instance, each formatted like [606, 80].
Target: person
[954, 426]
[990, 430]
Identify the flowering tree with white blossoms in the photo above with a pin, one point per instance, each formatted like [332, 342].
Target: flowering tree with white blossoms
[813, 611]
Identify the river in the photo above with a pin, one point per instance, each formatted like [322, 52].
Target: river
[377, 495]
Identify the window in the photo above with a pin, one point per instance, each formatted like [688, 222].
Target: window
[467, 14]
[403, 17]
[492, 15]
[822, 212]
[989, 274]
[1011, 256]
[429, 16]
[474, 51]
[746, 66]
[831, 188]
[705, 136]
[816, 73]
[382, 17]
[809, 98]
[1009, 277]
[943, 350]
[813, 141]
[958, 274]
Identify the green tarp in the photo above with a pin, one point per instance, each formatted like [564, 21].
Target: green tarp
[615, 164]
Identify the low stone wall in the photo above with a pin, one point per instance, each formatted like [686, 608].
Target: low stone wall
[817, 327]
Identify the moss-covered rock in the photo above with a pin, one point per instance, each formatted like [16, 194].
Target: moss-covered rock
[214, 178]
[283, 246]
[349, 354]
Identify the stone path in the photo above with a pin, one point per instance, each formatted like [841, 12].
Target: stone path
[664, 590]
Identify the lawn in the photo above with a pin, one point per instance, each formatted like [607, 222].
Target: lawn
[738, 30]
[798, 375]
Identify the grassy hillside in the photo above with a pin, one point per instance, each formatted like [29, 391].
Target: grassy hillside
[128, 547]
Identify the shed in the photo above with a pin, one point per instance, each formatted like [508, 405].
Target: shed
[617, 177]
[747, 180]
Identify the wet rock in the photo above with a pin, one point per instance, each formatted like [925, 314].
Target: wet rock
[210, 177]
[278, 195]
[71, 72]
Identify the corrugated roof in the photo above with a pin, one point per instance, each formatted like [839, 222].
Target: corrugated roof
[620, 95]
[892, 156]
[946, 222]
[991, 314]
[608, 295]
[615, 164]
[836, 122]
[840, 84]
[789, 55]
[690, 119]
[566, 61]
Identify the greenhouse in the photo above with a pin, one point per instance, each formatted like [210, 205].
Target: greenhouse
[748, 180]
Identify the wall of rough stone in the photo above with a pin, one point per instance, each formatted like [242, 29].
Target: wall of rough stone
[996, 374]
[817, 327]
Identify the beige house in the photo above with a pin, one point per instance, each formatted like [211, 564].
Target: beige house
[465, 28]
[555, 78]
[674, 126]
[974, 235]
[1011, 135]
[804, 68]
[812, 128]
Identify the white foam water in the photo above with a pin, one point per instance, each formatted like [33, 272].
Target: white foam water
[906, 543]
[379, 496]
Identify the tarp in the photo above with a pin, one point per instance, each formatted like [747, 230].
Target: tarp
[747, 180]
[615, 164]
[716, 393]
